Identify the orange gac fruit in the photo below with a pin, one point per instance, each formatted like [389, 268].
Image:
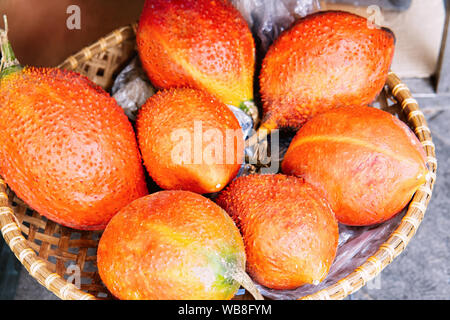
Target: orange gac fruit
[290, 233]
[367, 162]
[325, 60]
[189, 140]
[200, 44]
[67, 148]
[172, 245]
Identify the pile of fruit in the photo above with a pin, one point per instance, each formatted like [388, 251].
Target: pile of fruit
[70, 152]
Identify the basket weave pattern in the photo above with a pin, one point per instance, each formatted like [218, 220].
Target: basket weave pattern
[49, 251]
[101, 60]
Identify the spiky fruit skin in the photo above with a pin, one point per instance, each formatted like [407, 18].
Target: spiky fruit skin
[367, 163]
[326, 60]
[67, 148]
[189, 140]
[200, 44]
[290, 233]
[171, 245]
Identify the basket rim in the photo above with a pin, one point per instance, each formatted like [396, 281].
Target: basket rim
[386, 253]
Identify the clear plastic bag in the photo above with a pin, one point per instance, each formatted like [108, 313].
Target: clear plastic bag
[131, 88]
[268, 18]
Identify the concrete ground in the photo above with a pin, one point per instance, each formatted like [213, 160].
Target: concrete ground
[422, 270]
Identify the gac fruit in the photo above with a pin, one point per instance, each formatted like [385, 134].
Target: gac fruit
[327, 59]
[189, 140]
[173, 245]
[367, 162]
[290, 233]
[199, 44]
[67, 148]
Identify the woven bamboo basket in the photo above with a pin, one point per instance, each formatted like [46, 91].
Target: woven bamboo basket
[56, 255]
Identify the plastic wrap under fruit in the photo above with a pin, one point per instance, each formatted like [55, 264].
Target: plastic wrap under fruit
[268, 18]
[131, 88]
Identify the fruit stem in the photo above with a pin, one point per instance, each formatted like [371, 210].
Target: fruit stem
[244, 280]
[9, 62]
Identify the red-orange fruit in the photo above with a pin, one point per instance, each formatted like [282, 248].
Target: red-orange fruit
[290, 233]
[172, 245]
[200, 44]
[67, 149]
[367, 162]
[189, 140]
[326, 60]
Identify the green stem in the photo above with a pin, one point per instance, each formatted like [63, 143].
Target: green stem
[9, 62]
